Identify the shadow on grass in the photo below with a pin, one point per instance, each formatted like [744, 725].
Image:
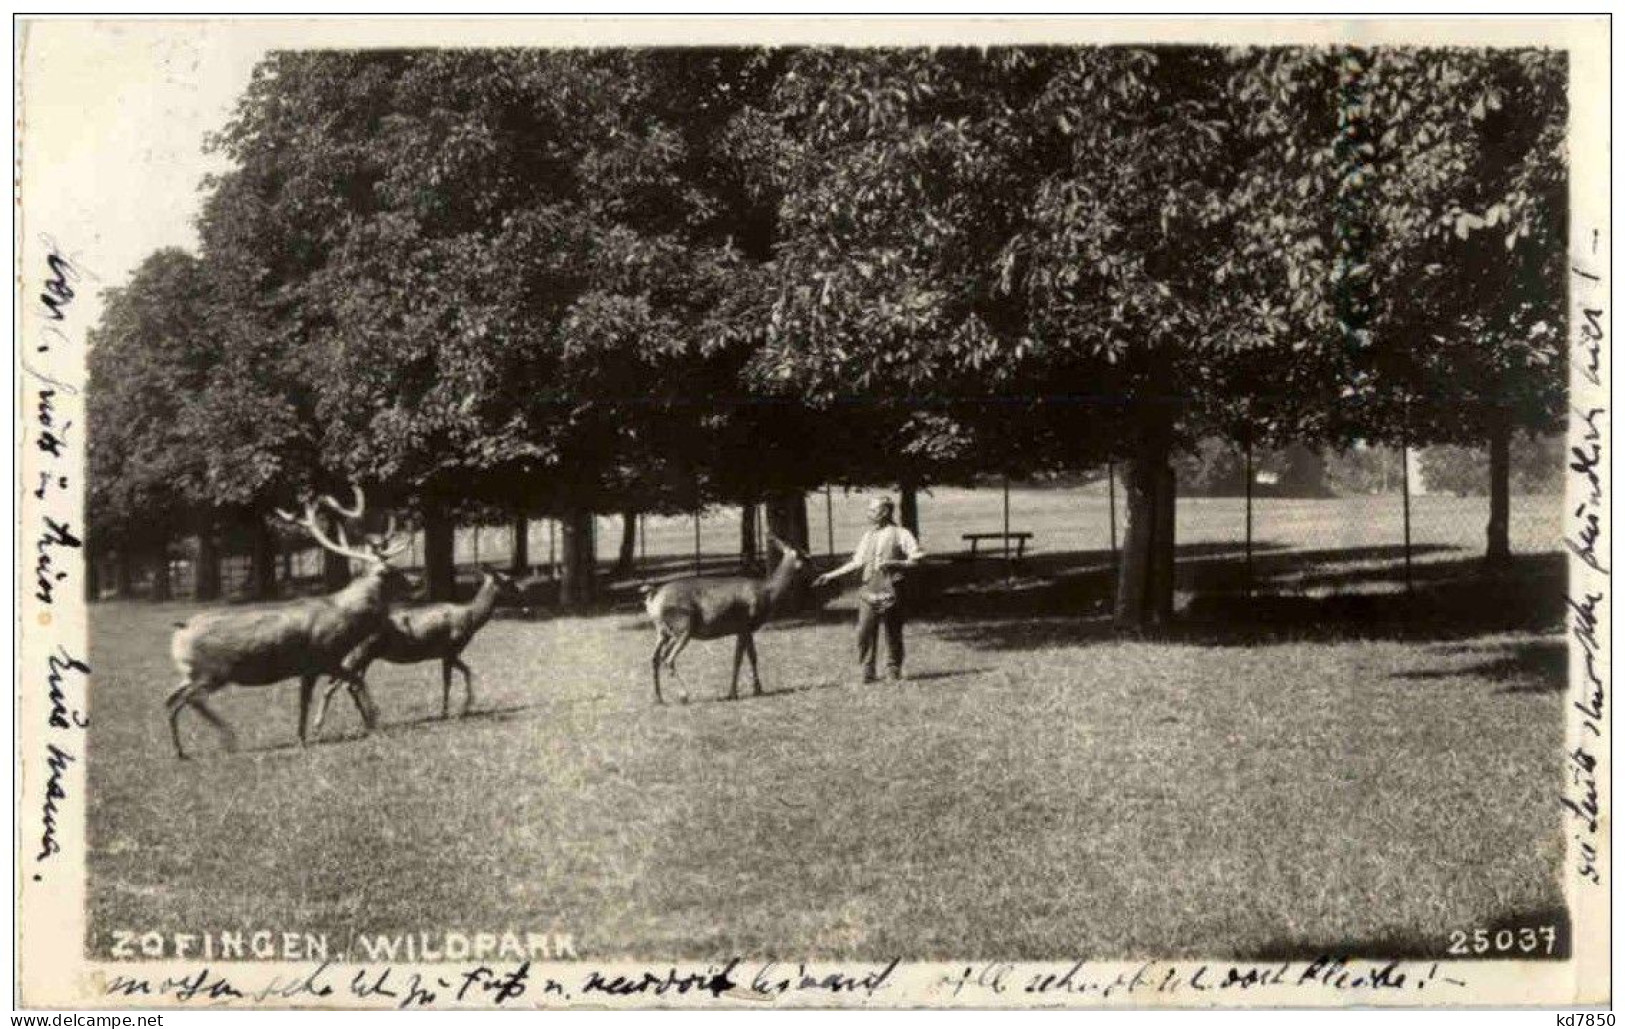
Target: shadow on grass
[720, 695]
[479, 715]
[1521, 935]
[507, 713]
[838, 682]
[1450, 599]
[957, 673]
[1062, 598]
[1530, 666]
[1323, 595]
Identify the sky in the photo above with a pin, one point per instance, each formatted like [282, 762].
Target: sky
[113, 122]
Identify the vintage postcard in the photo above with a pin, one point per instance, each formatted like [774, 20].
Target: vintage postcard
[845, 513]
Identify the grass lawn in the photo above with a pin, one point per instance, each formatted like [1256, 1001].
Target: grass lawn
[1252, 787]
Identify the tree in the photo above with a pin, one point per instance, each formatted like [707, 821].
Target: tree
[154, 360]
[1363, 469]
[519, 549]
[897, 194]
[494, 267]
[628, 550]
[1479, 135]
[1535, 466]
[1213, 467]
[1070, 242]
[1447, 231]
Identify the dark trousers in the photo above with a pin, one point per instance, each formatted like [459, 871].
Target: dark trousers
[870, 622]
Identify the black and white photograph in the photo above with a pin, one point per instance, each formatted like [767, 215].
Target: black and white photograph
[813, 513]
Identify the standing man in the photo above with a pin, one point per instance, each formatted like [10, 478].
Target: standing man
[882, 555]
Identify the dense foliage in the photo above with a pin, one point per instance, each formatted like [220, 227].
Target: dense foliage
[563, 282]
[1536, 468]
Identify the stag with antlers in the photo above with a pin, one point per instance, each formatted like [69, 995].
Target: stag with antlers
[302, 639]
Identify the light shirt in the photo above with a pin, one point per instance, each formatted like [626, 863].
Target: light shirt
[886, 543]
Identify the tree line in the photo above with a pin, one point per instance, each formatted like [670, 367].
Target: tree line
[526, 283]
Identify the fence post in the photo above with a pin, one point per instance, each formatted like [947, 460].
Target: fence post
[643, 540]
[1009, 570]
[697, 506]
[1111, 508]
[1247, 447]
[829, 517]
[1405, 486]
[552, 562]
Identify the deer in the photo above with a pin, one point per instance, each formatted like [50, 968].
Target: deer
[696, 608]
[302, 639]
[423, 633]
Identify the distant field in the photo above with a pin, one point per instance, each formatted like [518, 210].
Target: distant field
[1038, 788]
[1070, 520]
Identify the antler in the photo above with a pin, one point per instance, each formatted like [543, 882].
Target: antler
[333, 505]
[311, 523]
[374, 550]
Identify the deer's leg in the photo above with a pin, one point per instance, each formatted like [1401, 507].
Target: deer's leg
[230, 737]
[445, 688]
[307, 686]
[739, 655]
[333, 684]
[679, 641]
[468, 682]
[661, 639]
[177, 700]
[750, 652]
[362, 698]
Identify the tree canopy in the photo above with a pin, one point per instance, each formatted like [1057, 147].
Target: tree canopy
[566, 281]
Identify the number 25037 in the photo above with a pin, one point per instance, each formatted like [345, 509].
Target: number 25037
[1528, 940]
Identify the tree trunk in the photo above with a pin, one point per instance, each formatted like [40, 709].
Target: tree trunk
[93, 579]
[439, 553]
[520, 563]
[123, 573]
[1145, 587]
[578, 564]
[263, 560]
[206, 567]
[1498, 549]
[162, 586]
[1161, 597]
[787, 519]
[629, 543]
[748, 544]
[1133, 574]
[908, 507]
[335, 571]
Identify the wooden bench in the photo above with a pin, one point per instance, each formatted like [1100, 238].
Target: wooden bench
[1020, 539]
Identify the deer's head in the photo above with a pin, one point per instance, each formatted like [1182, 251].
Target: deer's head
[507, 588]
[792, 558]
[375, 551]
